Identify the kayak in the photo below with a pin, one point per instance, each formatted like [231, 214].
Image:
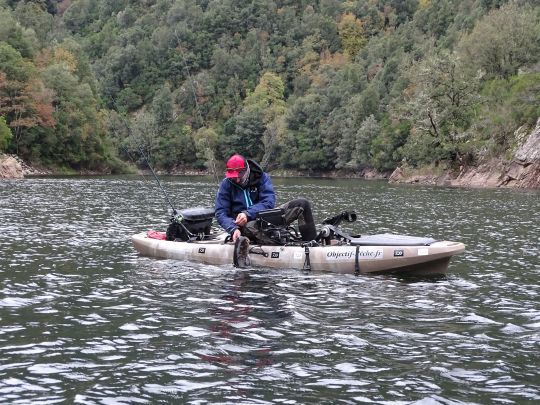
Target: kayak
[375, 254]
[190, 237]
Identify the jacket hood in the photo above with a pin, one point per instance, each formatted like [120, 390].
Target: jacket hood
[256, 173]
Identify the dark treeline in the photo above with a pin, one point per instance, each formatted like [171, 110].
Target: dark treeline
[308, 85]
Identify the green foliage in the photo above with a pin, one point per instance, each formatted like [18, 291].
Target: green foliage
[503, 41]
[38, 23]
[13, 34]
[386, 147]
[439, 104]
[13, 64]
[177, 148]
[297, 84]
[81, 14]
[242, 134]
[510, 104]
[162, 106]
[5, 135]
[364, 137]
[256, 129]
[351, 31]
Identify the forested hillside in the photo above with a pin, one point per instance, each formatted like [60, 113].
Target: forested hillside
[307, 85]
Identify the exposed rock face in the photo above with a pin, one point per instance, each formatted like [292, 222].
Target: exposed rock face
[485, 175]
[524, 169]
[397, 176]
[522, 172]
[10, 168]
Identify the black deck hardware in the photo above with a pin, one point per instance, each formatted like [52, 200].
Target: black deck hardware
[307, 263]
[257, 250]
[357, 261]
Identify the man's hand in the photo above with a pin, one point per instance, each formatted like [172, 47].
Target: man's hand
[241, 219]
[236, 234]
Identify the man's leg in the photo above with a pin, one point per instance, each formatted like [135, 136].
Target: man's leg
[300, 209]
[255, 234]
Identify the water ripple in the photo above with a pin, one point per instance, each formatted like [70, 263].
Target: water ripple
[84, 319]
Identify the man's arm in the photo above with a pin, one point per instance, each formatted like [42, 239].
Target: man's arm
[267, 198]
[223, 207]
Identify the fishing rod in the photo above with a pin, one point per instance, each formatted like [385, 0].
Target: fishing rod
[147, 162]
[145, 159]
[197, 109]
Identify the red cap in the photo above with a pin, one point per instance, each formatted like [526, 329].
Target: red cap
[235, 165]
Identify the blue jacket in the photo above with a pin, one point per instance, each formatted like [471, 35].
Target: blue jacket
[233, 199]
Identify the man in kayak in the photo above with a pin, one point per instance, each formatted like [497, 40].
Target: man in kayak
[247, 190]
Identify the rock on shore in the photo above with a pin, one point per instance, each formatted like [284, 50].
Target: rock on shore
[523, 171]
[13, 167]
[10, 168]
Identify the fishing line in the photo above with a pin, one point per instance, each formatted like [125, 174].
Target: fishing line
[197, 108]
[147, 162]
[157, 179]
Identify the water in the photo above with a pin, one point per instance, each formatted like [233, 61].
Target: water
[84, 319]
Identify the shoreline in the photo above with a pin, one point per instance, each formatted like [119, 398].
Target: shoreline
[493, 175]
[520, 172]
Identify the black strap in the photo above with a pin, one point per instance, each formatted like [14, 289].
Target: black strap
[339, 233]
[307, 263]
[257, 250]
[357, 262]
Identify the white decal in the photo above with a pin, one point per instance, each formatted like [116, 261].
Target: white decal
[298, 255]
[423, 252]
[364, 253]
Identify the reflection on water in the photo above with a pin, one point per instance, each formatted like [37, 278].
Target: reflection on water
[84, 319]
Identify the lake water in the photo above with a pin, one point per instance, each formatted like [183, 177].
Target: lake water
[84, 319]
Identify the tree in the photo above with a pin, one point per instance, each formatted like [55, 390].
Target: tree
[81, 14]
[143, 138]
[38, 22]
[206, 143]
[365, 135]
[503, 41]
[162, 107]
[5, 134]
[354, 147]
[386, 147]
[14, 65]
[24, 100]
[79, 136]
[259, 127]
[351, 32]
[12, 33]
[304, 145]
[438, 103]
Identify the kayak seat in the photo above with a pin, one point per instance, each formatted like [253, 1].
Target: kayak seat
[388, 239]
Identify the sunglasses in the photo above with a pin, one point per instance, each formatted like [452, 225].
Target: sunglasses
[240, 172]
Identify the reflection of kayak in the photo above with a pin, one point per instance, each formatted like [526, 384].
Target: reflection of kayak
[385, 253]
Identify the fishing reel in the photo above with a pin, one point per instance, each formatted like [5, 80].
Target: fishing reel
[176, 217]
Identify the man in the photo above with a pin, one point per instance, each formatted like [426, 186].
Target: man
[247, 190]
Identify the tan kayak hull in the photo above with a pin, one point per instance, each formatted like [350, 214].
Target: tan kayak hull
[417, 260]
